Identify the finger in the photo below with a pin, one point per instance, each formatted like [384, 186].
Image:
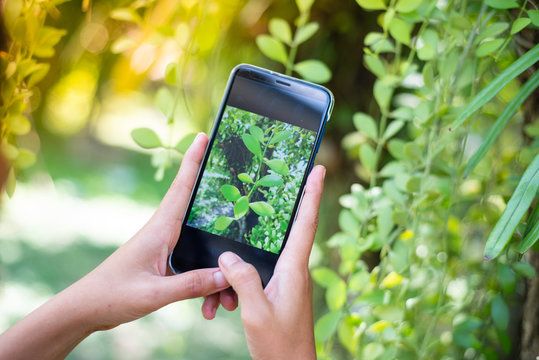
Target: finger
[300, 241]
[172, 208]
[210, 305]
[188, 285]
[229, 299]
[245, 280]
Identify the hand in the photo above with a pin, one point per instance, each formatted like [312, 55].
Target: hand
[131, 283]
[278, 320]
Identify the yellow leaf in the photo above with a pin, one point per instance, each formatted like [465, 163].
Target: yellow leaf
[406, 235]
[379, 326]
[392, 279]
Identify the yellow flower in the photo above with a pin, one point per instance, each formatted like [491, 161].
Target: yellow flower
[406, 235]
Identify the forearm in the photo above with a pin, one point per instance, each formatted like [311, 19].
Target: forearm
[49, 332]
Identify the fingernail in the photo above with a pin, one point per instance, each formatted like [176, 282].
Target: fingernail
[228, 258]
[219, 279]
[323, 172]
[199, 135]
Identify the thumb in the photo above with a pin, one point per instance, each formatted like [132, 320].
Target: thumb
[188, 285]
[245, 280]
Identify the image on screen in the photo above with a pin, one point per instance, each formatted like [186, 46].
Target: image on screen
[252, 179]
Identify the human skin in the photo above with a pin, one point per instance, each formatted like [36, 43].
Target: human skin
[136, 280]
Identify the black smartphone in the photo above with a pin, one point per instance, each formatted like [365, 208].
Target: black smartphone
[249, 186]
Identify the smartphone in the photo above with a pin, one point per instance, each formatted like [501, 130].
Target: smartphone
[249, 186]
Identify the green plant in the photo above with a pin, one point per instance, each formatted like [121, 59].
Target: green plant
[407, 285]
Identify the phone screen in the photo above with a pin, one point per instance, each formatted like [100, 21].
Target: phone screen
[248, 190]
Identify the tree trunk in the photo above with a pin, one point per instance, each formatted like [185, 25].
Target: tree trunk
[530, 318]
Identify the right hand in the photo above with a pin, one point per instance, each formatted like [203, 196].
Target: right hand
[278, 320]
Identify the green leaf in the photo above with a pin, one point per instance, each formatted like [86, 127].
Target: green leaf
[38, 73]
[305, 32]
[428, 76]
[270, 181]
[519, 24]
[222, 222]
[412, 151]
[367, 155]
[516, 208]
[327, 325]
[185, 142]
[164, 100]
[502, 4]
[313, 70]
[304, 5]
[241, 207]
[230, 192]
[280, 136]
[462, 333]
[336, 295]
[262, 208]
[512, 71]
[244, 177]
[499, 313]
[375, 65]
[280, 30]
[382, 95]
[125, 14]
[18, 124]
[252, 144]
[146, 138]
[507, 278]
[407, 5]
[500, 123]
[488, 47]
[400, 30]
[491, 31]
[394, 127]
[272, 48]
[530, 238]
[171, 73]
[324, 276]
[25, 158]
[372, 4]
[365, 124]
[524, 269]
[534, 17]
[256, 132]
[279, 166]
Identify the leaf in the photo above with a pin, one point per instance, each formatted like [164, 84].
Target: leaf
[230, 192]
[279, 166]
[125, 14]
[146, 138]
[400, 30]
[367, 155]
[313, 70]
[500, 123]
[524, 269]
[375, 65]
[499, 313]
[123, 43]
[272, 48]
[491, 31]
[519, 24]
[382, 95]
[516, 208]
[280, 136]
[530, 238]
[304, 5]
[324, 276]
[262, 208]
[256, 132]
[270, 181]
[18, 124]
[394, 127]
[534, 17]
[244, 177]
[39, 71]
[164, 100]
[327, 325]
[507, 278]
[171, 73]
[305, 32]
[407, 5]
[428, 75]
[241, 207]
[488, 47]
[391, 280]
[488, 92]
[185, 142]
[336, 295]
[222, 222]
[502, 4]
[25, 158]
[252, 144]
[365, 124]
[372, 4]
[280, 30]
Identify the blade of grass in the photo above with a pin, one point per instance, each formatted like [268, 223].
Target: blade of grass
[500, 123]
[516, 208]
[515, 69]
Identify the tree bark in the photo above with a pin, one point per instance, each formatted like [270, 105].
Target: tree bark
[530, 318]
